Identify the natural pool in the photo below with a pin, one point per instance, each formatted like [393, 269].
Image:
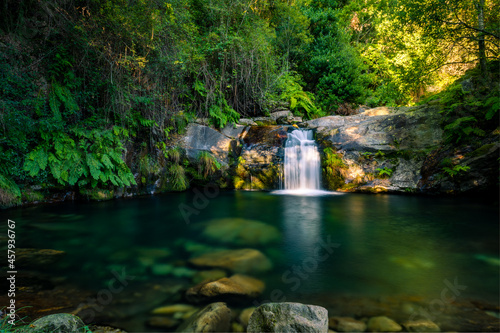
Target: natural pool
[388, 255]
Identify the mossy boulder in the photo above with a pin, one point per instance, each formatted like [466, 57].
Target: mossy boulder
[238, 231]
[58, 323]
[288, 317]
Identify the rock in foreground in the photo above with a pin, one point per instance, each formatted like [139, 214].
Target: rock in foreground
[288, 317]
[58, 323]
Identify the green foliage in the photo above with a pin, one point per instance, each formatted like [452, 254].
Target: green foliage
[493, 105]
[333, 167]
[461, 129]
[207, 164]
[301, 102]
[82, 158]
[178, 177]
[174, 155]
[456, 170]
[10, 194]
[384, 172]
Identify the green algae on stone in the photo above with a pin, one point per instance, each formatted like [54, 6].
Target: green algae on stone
[238, 231]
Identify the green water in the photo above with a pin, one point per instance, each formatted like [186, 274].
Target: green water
[385, 245]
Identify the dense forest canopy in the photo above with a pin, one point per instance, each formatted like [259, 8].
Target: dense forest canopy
[78, 77]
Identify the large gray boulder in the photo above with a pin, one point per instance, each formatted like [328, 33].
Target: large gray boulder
[200, 138]
[58, 323]
[288, 317]
[215, 317]
[383, 129]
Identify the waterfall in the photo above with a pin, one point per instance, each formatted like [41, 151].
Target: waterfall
[302, 162]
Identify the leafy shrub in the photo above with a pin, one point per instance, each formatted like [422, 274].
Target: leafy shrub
[83, 158]
[301, 102]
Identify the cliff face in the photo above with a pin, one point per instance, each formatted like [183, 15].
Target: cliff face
[403, 150]
[379, 150]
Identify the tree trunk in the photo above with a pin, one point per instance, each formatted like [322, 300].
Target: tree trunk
[481, 42]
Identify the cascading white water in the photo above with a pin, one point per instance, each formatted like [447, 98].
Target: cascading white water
[302, 162]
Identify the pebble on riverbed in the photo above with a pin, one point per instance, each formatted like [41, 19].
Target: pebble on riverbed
[383, 324]
[422, 325]
[346, 324]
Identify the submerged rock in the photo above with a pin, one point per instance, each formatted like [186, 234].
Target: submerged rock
[57, 323]
[238, 231]
[171, 309]
[215, 317]
[37, 257]
[238, 261]
[288, 317]
[162, 322]
[383, 324]
[346, 324]
[235, 289]
[206, 276]
[422, 325]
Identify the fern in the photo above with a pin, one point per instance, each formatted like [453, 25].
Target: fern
[300, 100]
[384, 172]
[221, 113]
[90, 157]
[493, 104]
[462, 128]
[457, 169]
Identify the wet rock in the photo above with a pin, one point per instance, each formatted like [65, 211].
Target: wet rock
[261, 153]
[238, 261]
[57, 323]
[346, 324]
[206, 276]
[162, 322]
[238, 231]
[422, 325]
[37, 257]
[235, 289]
[383, 324]
[215, 317]
[245, 315]
[171, 309]
[288, 317]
